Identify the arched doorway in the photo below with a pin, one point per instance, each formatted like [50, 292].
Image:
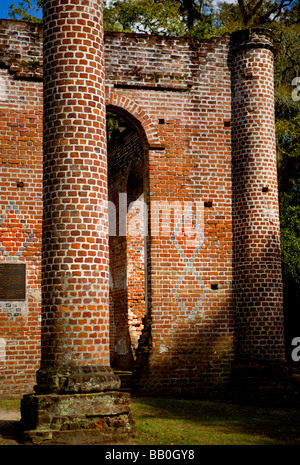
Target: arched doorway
[127, 181]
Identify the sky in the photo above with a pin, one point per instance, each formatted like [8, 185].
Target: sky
[4, 5]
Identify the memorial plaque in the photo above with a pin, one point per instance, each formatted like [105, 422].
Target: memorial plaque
[12, 281]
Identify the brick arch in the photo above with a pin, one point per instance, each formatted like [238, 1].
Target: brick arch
[137, 115]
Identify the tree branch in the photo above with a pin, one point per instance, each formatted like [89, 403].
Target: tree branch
[247, 12]
[242, 10]
[283, 4]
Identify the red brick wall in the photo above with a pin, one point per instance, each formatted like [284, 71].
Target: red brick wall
[21, 199]
[177, 94]
[183, 103]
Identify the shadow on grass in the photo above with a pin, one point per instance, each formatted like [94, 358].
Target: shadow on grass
[192, 422]
[195, 422]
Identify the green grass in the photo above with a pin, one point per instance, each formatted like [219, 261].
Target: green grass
[10, 403]
[192, 422]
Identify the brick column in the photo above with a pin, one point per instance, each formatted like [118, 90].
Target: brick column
[259, 319]
[75, 269]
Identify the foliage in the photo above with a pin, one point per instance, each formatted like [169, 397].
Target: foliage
[261, 12]
[165, 17]
[146, 16]
[287, 106]
[227, 18]
[288, 141]
[290, 232]
[114, 124]
[26, 11]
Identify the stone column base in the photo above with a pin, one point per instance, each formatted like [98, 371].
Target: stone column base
[76, 379]
[92, 418]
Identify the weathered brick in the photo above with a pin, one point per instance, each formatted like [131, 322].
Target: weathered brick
[203, 288]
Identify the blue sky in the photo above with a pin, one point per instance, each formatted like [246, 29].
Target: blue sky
[4, 5]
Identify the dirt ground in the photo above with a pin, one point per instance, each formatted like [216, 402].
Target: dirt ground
[9, 421]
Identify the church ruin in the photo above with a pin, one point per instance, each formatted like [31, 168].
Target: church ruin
[151, 245]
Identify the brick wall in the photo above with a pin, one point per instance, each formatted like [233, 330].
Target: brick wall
[184, 104]
[177, 95]
[21, 199]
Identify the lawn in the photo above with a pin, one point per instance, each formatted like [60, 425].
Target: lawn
[193, 422]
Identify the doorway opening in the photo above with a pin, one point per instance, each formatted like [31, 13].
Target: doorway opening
[127, 238]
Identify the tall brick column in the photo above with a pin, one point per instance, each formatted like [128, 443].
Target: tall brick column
[76, 388]
[259, 320]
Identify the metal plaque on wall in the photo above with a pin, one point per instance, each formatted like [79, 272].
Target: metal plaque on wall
[12, 281]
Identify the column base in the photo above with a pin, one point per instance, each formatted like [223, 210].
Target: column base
[74, 379]
[93, 418]
[76, 405]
